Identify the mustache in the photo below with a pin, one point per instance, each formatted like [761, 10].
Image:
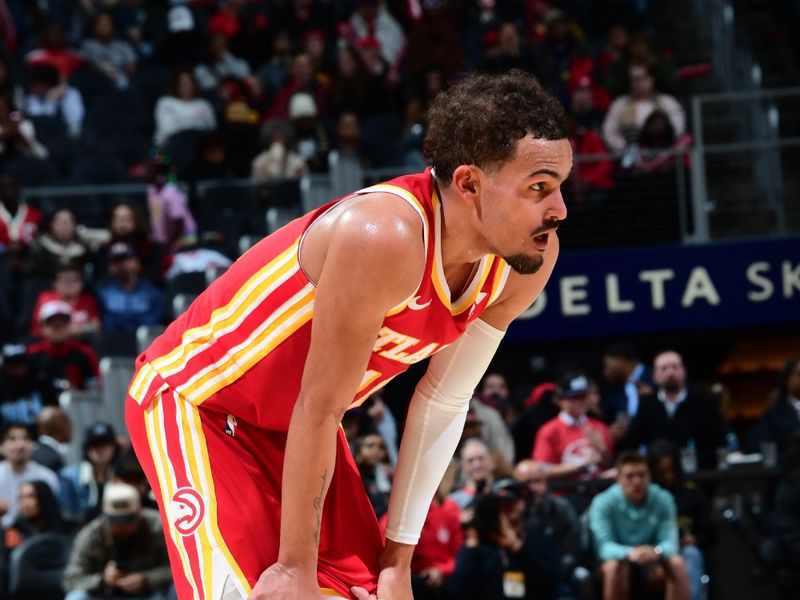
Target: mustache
[545, 228]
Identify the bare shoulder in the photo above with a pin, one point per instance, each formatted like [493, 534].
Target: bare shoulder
[376, 239]
[521, 291]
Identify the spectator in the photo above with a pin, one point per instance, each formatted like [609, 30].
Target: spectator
[539, 407]
[38, 513]
[346, 161]
[48, 96]
[59, 245]
[695, 522]
[57, 359]
[302, 80]
[354, 89]
[214, 159]
[678, 413]
[83, 484]
[477, 466]
[22, 396]
[18, 468]
[500, 558]
[114, 57]
[181, 44]
[593, 173]
[629, 379]
[68, 286]
[658, 148]
[781, 420]
[128, 470]
[375, 470]
[374, 26]
[127, 300]
[556, 54]
[171, 221]
[55, 433]
[280, 160]
[54, 51]
[9, 87]
[510, 52]
[181, 109]
[194, 259]
[312, 141]
[628, 113]
[493, 430]
[129, 226]
[781, 547]
[121, 553]
[573, 445]
[635, 534]
[17, 134]
[494, 391]
[277, 67]
[19, 221]
[639, 51]
[383, 420]
[221, 66]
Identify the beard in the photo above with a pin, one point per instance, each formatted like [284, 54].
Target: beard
[672, 386]
[524, 264]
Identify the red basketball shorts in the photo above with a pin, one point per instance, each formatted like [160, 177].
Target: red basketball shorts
[218, 486]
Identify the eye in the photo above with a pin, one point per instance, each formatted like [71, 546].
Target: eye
[538, 187]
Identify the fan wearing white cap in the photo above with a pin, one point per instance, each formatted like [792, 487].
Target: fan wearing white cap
[121, 553]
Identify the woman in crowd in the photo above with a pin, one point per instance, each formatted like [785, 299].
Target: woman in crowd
[114, 57]
[376, 473]
[38, 513]
[59, 245]
[182, 108]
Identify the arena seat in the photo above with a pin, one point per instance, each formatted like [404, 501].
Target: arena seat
[37, 566]
[145, 335]
[116, 373]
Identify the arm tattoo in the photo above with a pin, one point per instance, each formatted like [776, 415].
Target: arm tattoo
[318, 507]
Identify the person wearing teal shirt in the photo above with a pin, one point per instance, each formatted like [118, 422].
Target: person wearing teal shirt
[635, 532]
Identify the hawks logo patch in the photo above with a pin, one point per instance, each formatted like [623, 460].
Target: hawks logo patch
[188, 510]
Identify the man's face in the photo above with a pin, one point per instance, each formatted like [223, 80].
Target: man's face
[668, 372]
[634, 479]
[614, 370]
[68, 284]
[476, 462]
[123, 221]
[532, 475]
[495, 386]
[519, 203]
[665, 474]
[301, 69]
[17, 446]
[56, 328]
[574, 406]
[124, 530]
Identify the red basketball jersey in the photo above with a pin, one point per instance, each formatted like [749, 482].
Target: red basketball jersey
[241, 346]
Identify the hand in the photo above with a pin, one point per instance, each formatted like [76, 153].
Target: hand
[507, 537]
[618, 429]
[394, 583]
[133, 583]
[433, 577]
[280, 582]
[595, 439]
[111, 574]
[643, 555]
[471, 539]
[643, 388]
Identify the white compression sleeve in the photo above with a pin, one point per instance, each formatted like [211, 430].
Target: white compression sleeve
[434, 424]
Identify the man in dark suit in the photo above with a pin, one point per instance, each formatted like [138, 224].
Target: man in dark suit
[628, 379]
[677, 413]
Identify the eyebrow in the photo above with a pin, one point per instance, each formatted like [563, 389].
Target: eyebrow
[550, 172]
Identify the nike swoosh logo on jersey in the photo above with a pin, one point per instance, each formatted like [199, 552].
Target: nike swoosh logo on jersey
[413, 305]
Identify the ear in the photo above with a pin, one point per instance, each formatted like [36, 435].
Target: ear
[466, 180]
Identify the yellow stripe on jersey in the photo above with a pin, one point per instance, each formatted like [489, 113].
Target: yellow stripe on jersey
[437, 274]
[282, 323]
[223, 320]
[469, 298]
[364, 394]
[500, 278]
[156, 438]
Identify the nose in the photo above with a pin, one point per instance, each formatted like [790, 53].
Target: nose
[558, 208]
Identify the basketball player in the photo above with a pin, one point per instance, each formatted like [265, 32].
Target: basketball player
[234, 411]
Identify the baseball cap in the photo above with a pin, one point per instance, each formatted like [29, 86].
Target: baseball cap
[302, 105]
[180, 18]
[100, 433]
[14, 351]
[121, 502]
[54, 308]
[509, 488]
[120, 250]
[573, 386]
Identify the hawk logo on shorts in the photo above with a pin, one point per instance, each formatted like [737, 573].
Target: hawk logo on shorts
[230, 425]
[188, 505]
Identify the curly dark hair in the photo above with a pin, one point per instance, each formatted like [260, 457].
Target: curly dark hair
[479, 120]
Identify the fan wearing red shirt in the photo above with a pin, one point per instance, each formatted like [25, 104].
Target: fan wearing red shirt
[572, 444]
[68, 287]
[58, 359]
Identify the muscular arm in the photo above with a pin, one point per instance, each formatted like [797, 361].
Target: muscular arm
[353, 294]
